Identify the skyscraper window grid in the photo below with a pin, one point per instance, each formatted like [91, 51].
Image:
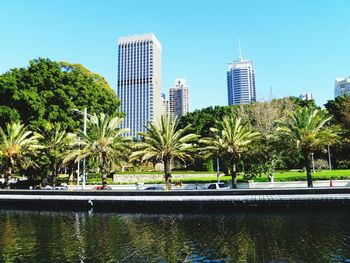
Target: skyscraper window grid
[139, 79]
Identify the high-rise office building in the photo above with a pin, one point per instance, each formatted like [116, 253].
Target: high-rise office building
[165, 105]
[241, 82]
[178, 99]
[342, 87]
[139, 81]
[306, 96]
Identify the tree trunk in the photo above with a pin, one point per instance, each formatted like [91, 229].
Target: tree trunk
[234, 175]
[103, 170]
[54, 175]
[8, 174]
[167, 172]
[71, 176]
[307, 159]
[271, 177]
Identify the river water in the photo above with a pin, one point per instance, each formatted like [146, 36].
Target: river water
[253, 236]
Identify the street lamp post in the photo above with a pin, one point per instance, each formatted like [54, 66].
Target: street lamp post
[313, 162]
[84, 171]
[218, 168]
[329, 158]
[78, 172]
[85, 114]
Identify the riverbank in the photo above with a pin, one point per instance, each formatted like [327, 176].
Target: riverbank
[199, 200]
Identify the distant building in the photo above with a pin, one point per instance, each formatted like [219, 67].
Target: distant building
[178, 99]
[165, 105]
[139, 81]
[241, 82]
[342, 87]
[306, 96]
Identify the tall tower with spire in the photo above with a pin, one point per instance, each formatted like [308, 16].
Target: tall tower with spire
[241, 81]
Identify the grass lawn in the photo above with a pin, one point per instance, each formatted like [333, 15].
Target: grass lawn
[280, 176]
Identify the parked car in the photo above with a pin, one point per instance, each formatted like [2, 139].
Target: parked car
[49, 187]
[100, 187]
[155, 187]
[217, 186]
[61, 188]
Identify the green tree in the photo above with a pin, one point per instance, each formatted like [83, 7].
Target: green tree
[339, 108]
[16, 144]
[103, 143]
[269, 150]
[47, 91]
[308, 129]
[55, 141]
[304, 103]
[164, 142]
[200, 122]
[231, 139]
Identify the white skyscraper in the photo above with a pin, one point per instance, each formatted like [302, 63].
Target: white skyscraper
[306, 96]
[165, 105]
[342, 87]
[178, 99]
[241, 82]
[139, 81]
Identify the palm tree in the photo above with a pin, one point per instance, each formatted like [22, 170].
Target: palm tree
[103, 142]
[55, 141]
[164, 142]
[16, 143]
[231, 139]
[308, 129]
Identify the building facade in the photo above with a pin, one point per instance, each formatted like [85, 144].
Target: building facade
[165, 105]
[241, 82]
[306, 96]
[139, 81]
[342, 87]
[178, 99]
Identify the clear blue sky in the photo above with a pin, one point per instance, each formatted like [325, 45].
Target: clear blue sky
[297, 46]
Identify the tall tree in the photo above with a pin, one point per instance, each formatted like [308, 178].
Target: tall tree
[269, 150]
[47, 91]
[308, 129]
[164, 142]
[16, 144]
[339, 108]
[103, 142]
[232, 138]
[55, 142]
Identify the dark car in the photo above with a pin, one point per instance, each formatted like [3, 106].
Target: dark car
[100, 187]
[155, 187]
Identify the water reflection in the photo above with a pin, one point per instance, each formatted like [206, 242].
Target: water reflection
[33, 236]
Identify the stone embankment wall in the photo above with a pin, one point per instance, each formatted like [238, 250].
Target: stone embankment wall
[132, 178]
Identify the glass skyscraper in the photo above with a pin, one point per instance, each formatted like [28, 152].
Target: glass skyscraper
[139, 81]
[342, 87]
[241, 82]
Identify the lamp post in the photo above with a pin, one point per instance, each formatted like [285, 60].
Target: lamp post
[85, 114]
[218, 168]
[329, 158]
[313, 162]
[84, 171]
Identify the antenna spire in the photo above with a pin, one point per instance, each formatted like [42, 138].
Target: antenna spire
[239, 50]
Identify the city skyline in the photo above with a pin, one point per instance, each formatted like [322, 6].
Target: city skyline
[297, 47]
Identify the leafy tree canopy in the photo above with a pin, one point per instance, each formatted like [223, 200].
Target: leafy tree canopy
[340, 109]
[47, 91]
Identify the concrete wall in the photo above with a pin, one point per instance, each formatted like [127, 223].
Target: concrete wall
[296, 184]
[131, 178]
